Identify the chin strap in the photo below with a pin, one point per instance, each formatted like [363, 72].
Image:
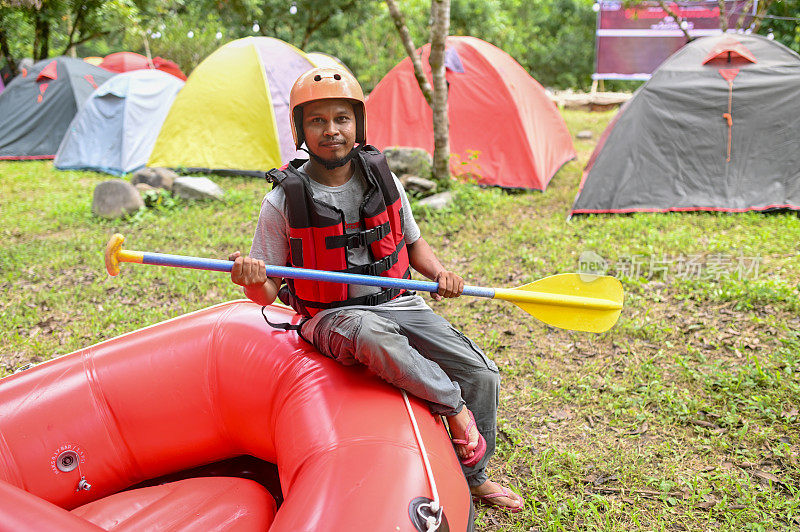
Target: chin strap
[330, 165]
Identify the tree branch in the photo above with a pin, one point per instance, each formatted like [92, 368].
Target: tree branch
[90, 37]
[668, 10]
[408, 44]
[311, 28]
[75, 24]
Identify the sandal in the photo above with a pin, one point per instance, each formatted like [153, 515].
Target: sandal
[479, 451]
[490, 500]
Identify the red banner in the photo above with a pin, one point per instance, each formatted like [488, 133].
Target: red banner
[633, 41]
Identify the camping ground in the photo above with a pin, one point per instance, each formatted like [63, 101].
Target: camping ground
[684, 416]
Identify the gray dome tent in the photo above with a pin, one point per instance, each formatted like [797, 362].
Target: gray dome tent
[38, 105]
[118, 126]
[716, 128]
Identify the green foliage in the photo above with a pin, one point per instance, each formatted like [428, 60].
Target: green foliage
[184, 33]
[552, 39]
[49, 30]
[786, 31]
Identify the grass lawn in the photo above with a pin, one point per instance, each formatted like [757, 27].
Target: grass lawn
[684, 416]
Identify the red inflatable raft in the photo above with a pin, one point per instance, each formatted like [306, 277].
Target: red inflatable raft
[106, 438]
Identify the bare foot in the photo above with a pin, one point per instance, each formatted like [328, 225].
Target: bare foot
[502, 497]
[458, 426]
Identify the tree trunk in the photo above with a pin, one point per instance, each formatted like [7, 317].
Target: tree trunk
[45, 43]
[440, 27]
[36, 36]
[747, 8]
[723, 16]
[761, 10]
[4, 49]
[41, 36]
[411, 50]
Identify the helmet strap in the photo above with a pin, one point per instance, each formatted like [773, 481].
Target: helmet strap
[330, 165]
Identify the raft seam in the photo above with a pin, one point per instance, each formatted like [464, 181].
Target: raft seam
[108, 418]
[10, 465]
[212, 379]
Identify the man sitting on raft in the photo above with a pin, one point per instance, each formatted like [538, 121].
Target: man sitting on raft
[344, 210]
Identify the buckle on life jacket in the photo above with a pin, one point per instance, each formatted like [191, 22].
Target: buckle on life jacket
[381, 297]
[373, 299]
[359, 239]
[380, 266]
[274, 176]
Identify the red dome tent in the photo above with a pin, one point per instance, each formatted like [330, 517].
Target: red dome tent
[504, 130]
[127, 61]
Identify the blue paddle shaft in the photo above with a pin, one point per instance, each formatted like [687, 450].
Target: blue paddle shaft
[197, 263]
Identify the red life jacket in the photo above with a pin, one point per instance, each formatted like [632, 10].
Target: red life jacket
[318, 240]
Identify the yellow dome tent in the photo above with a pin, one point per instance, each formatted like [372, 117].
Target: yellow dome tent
[232, 115]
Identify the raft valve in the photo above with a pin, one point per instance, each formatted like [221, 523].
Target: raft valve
[67, 461]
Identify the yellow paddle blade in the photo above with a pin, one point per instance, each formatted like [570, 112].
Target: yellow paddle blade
[577, 302]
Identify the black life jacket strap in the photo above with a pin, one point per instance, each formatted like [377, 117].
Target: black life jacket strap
[369, 300]
[359, 239]
[274, 176]
[379, 266]
[287, 326]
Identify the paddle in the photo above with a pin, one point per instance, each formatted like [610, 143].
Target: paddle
[578, 302]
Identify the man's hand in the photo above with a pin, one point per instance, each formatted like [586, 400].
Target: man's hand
[247, 271]
[450, 285]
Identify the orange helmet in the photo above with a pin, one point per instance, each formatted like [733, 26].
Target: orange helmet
[322, 84]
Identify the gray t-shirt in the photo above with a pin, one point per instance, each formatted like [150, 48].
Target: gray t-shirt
[271, 239]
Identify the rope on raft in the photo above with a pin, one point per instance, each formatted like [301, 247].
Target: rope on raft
[431, 522]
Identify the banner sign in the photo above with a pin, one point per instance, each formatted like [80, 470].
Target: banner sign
[633, 41]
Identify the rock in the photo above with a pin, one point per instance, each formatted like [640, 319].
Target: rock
[115, 198]
[412, 161]
[143, 175]
[166, 178]
[419, 184]
[593, 101]
[143, 187]
[155, 177]
[197, 188]
[437, 201]
[584, 135]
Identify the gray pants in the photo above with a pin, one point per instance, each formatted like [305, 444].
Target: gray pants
[420, 352]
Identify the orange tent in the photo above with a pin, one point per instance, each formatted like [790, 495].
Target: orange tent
[504, 130]
[127, 61]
